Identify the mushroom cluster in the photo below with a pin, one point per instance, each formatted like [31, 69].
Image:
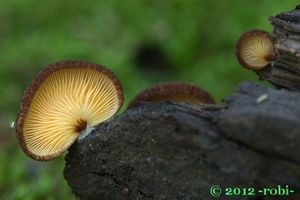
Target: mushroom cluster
[65, 101]
[68, 99]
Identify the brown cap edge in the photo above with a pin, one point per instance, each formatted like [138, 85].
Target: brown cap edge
[170, 88]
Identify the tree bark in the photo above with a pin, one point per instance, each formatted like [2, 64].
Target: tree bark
[178, 151]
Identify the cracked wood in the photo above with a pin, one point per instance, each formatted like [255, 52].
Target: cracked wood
[178, 151]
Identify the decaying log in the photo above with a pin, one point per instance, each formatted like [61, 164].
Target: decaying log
[178, 151]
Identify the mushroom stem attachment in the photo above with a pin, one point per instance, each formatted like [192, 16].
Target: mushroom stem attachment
[81, 125]
[85, 132]
[270, 57]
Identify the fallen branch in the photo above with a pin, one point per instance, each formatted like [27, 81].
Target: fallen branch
[178, 151]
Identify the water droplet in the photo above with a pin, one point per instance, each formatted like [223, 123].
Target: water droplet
[12, 124]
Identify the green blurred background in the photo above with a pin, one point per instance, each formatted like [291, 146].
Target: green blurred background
[143, 42]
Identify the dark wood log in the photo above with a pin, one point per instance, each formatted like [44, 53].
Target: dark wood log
[178, 151]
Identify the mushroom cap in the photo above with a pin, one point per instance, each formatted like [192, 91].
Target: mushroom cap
[62, 101]
[177, 91]
[254, 49]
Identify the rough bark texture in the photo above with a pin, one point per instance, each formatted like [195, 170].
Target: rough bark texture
[178, 151]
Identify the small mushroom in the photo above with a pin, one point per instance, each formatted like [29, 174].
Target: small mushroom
[64, 101]
[176, 91]
[255, 49]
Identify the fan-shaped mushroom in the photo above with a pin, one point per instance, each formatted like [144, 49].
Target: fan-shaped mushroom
[255, 49]
[65, 100]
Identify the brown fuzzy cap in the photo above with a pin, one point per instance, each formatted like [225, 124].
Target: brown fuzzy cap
[254, 49]
[34, 86]
[177, 91]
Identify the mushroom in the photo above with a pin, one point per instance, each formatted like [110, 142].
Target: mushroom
[255, 49]
[176, 91]
[65, 100]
